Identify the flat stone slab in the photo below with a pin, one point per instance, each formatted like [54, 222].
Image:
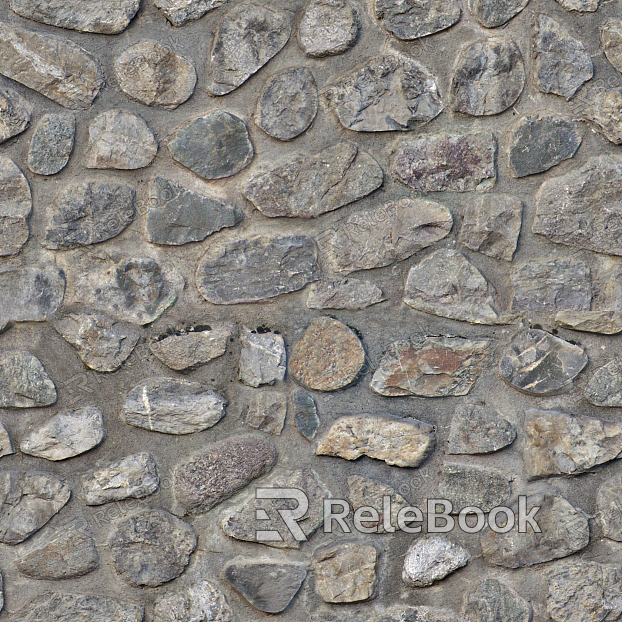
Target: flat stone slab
[197, 602]
[493, 601]
[605, 386]
[608, 504]
[15, 208]
[603, 322]
[180, 12]
[263, 359]
[431, 559]
[351, 294]
[492, 13]
[15, 113]
[306, 416]
[24, 383]
[52, 143]
[266, 411]
[327, 28]
[602, 110]
[411, 21]
[479, 429]
[467, 487]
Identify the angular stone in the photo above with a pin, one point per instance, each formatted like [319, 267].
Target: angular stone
[447, 284]
[287, 103]
[409, 20]
[130, 477]
[15, 113]
[491, 225]
[603, 322]
[15, 208]
[57, 68]
[120, 140]
[492, 13]
[151, 547]
[580, 5]
[399, 442]
[247, 38]
[6, 446]
[207, 478]
[263, 359]
[66, 435]
[489, 76]
[214, 146]
[329, 356]
[378, 237]
[327, 28]
[391, 92]
[605, 386]
[308, 186]
[89, 213]
[198, 602]
[538, 363]
[28, 501]
[562, 65]
[173, 406]
[194, 347]
[611, 41]
[306, 417]
[494, 601]
[266, 411]
[564, 530]
[431, 559]
[609, 510]
[351, 294]
[59, 554]
[478, 429]
[439, 162]
[24, 383]
[430, 366]
[257, 268]
[602, 109]
[419, 613]
[154, 75]
[180, 12]
[52, 143]
[268, 585]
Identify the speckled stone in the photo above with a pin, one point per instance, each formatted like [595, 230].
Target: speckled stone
[51, 144]
[327, 28]
[197, 602]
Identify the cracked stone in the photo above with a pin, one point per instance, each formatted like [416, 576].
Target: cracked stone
[15, 207]
[351, 294]
[24, 383]
[603, 322]
[479, 429]
[602, 109]
[431, 559]
[266, 411]
[494, 601]
[609, 511]
[611, 41]
[408, 20]
[605, 386]
[492, 13]
[465, 486]
[180, 12]
[15, 113]
[198, 602]
[263, 359]
[306, 416]
[52, 143]
[327, 28]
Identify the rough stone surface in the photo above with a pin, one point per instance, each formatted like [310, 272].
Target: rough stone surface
[611, 40]
[602, 109]
[263, 359]
[51, 143]
[479, 429]
[311, 185]
[399, 442]
[15, 113]
[267, 411]
[494, 601]
[447, 284]
[130, 477]
[491, 13]
[431, 559]
[605, 386]
[180, 12]
[151, 547]
[609, 511]
[391, 92]
[562, 65]
[247, 38]
[564, 531]
[430, 366]
[57, 68]
[268, 585]
[538, 363]
[351, 294]
[439, 162]
[491, 225]
[409, 20]
[489, 76]
[6, 446]
[173, 406]
[198, 602]
[604, 322]
[419, 613]
[328, 357]
[154, 75]
[257, 268]
[221, 469]
[306, 416]
[15, 208]
[327, 28]
[580, 5]
[24, 383]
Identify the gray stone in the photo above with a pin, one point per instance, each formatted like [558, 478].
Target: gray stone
[327, 28]
[51, 143]
[580, 5]
[173, 406]
[399, 442]
[447, 284]
[120, 140]
[611, 41]
[151, 547]
[180, 12]
[247, 38]
[177, 215]
[603, 322]
[263, 359]
[287, 103]
[602, 109]
[266, 411]
[24, 383]
[564, 530]
[268, 585]
[491, 225]
[538, 363]
[15, 208]
[154, 75]
[391, 92]
[66, 435]
[28, 501]
[562, 65]
[15, 113]
[488, 78]
[308, 186]
[431, 559]
[218, 471]
[440, 162]
[59, 554]
[108, 17]
[193, 347]
[539, 142]
[88, 213]
[419, 613]
[214, 146]
[479, 429]
[492, 13]
[198, 602]
[409, 20]
[257, 268]
[130, 477]
[378, 237]
[609, 509]
[605, 386]
[430, 366]
[57, 68]
[306, 416]
[351, 294]
[494, 601]
[6, 446]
